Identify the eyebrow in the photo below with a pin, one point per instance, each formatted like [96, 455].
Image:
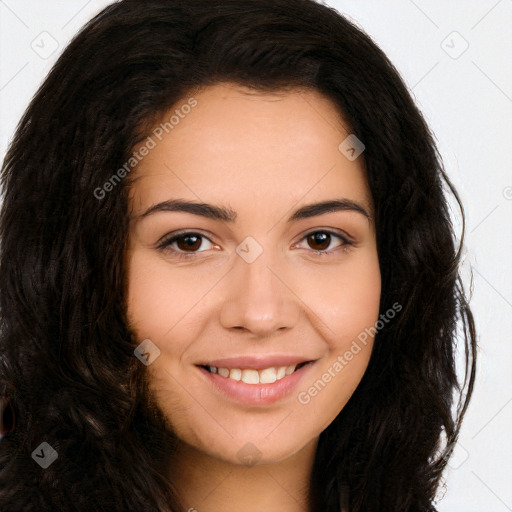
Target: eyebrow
[211, 211]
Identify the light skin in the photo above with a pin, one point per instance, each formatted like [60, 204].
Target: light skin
[263, 157]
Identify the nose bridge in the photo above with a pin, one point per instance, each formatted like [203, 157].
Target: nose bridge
[258, 298]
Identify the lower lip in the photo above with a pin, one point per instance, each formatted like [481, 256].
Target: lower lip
[256, 394]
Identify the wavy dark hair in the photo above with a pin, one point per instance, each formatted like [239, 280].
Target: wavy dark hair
[66, 351]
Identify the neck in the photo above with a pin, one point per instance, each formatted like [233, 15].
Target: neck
[208, 484]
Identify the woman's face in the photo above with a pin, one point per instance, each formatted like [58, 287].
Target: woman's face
[260, 274]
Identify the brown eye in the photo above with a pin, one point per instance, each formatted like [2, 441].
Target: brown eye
[319, 241]
[326, 243]
[185, 244]
[188, 242]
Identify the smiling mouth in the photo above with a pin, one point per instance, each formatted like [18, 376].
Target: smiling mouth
[252, 376]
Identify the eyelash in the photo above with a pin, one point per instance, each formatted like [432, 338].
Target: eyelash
[165, 244]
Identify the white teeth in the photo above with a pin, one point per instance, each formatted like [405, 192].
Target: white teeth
[268, 376]
[235, 374]
[224, 372]
[249, 376]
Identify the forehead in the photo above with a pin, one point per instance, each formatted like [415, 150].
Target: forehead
[250, 146]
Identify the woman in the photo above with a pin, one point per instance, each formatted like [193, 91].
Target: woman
[228, 276]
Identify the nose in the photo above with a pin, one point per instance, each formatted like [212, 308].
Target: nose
[259, 298]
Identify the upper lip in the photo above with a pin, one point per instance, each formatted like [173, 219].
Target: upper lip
[256, 362]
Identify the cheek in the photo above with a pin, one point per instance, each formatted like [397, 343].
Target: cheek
[347, 307]
[161, 308]
[345, 298]
[159, 297]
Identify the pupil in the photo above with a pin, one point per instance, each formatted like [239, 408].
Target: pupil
[196, 243]
[322, 239]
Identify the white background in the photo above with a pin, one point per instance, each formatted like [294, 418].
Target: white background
[466, 96]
